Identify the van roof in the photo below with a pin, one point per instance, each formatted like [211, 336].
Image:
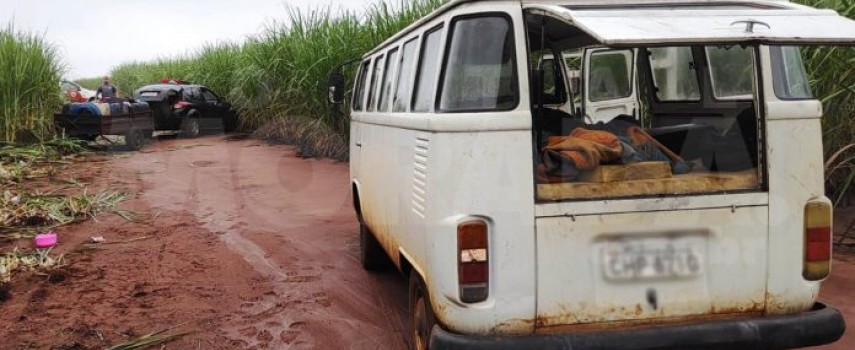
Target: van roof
[781, 4]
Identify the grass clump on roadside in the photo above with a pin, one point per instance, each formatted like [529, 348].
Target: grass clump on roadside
[23, 162]
[30, 71]
[44, 151]
[25, 214]
[39, 260]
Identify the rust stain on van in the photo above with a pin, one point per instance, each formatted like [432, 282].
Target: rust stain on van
[606, 317]
[514, 326]
[783, 304]
[641, 323]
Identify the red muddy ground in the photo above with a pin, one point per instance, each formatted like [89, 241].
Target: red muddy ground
[251, 247]
[243, 244]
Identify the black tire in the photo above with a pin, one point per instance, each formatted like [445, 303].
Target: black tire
[422, 318]
[190, 126]
[134, 139]
[230, 122]
[371, 254]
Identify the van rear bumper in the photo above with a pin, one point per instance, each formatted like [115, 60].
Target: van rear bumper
[822, 325]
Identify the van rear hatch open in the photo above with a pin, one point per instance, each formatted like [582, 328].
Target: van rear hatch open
[671, 257]
[675, 23]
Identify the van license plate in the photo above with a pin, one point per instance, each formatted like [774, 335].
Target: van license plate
[632, 261]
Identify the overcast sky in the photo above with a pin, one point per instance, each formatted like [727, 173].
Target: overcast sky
[93, 36]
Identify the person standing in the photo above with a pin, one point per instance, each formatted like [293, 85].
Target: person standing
[106, 91]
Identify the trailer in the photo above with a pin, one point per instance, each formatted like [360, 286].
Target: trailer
[87, 121]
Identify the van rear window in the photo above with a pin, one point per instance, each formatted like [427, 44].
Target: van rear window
[480, 70]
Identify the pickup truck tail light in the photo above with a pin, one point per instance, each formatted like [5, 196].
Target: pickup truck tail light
[817, 250]
[473, 267]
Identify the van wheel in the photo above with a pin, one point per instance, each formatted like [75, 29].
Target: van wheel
[190, 127]
[134, 139]
[371, 254]
[422, 318]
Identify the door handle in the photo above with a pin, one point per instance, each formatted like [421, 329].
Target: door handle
[359, 144]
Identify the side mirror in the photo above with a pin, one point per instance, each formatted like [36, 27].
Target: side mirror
[335, 88]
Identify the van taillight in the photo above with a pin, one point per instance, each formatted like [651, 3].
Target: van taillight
[817, 257]
[473, 268]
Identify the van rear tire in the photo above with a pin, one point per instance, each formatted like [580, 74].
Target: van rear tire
[422, 318]
[371, 254]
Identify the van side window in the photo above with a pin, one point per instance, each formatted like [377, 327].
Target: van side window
[790, 77]
[378, 69]
[425, 82]
[359, 91]
[731, 72]
[480, 70]
[674, 74]
[611, 75]
[388, 75]
[404, 91]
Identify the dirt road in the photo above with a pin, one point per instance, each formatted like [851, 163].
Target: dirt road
[291, 220]
[251, 247]
[243, 244]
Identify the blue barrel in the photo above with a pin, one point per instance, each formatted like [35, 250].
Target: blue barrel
[84, 108]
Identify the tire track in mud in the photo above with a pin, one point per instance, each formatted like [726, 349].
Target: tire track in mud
[291, 220]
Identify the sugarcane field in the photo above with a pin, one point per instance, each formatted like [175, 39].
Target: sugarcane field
[427, 174]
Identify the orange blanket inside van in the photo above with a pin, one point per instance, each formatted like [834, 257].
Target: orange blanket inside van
[586, 148]
[565, 156]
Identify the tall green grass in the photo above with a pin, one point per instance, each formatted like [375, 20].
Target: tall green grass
[30, 69]
[832, 71]
[276, 79]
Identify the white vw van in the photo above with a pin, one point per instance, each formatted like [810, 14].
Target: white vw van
[599, 174]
